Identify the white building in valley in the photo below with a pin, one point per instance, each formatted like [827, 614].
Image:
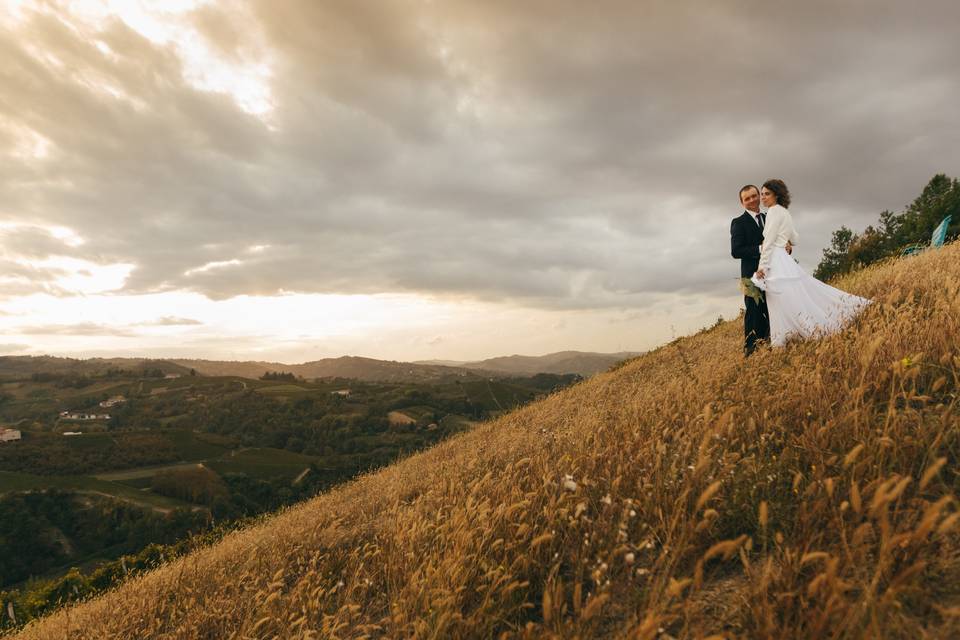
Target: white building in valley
[9, 435]
[84, 417]
[111, 402]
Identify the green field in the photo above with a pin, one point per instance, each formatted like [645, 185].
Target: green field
[418, 411]
[193, 445]
[282, 389]
[131, 477]
[262, 463]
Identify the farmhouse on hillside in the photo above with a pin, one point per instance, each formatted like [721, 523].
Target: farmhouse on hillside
[9, 435]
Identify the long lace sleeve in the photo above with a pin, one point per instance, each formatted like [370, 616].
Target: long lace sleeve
[775, 219]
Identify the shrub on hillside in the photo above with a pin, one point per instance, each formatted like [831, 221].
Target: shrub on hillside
[196, 484]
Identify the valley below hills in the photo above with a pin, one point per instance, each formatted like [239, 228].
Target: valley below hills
[810, 492]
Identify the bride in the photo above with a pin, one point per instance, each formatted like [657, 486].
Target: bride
[799, 304]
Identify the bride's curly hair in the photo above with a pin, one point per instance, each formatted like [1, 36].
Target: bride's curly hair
[780, 190]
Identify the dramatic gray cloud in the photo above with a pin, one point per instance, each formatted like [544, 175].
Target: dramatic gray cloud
[556, 154]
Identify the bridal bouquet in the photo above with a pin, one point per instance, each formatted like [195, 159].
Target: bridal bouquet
[751, 290]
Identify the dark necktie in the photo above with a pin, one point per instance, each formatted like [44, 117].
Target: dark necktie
[760, 220]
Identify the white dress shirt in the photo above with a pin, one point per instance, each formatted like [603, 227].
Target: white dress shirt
[777, 232]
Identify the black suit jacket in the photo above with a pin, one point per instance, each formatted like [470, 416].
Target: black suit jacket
[745, 241]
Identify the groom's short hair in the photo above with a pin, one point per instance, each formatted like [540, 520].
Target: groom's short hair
[748, 186]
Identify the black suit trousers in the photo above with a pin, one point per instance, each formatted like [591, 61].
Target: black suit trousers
[756, 324]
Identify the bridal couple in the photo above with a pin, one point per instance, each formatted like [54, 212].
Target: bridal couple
[793, 303]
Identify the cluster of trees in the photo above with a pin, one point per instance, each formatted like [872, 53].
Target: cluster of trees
[894, 231]
[547, 382]
[51, 454]
[42, 530]
[279, 375]
[63, 380]
[248, 497]
[83, 380]
[308, 425]
[237, 495]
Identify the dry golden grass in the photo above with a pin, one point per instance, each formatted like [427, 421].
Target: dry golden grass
[810, 494]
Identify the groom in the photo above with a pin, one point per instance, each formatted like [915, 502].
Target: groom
[746, 236]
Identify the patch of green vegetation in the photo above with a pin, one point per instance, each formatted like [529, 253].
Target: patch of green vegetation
[493, 395]
[87, 440]
[11, 481]
[418, 411]
[262, 463]
[456, 422]
[142, 482]
[282, 389]
[192, 445]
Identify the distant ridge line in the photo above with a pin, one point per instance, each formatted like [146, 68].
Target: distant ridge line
[355, 367]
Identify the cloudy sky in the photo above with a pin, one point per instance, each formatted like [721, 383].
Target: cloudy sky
[413, 179]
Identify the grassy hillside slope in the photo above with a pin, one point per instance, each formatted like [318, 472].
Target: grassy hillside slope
[807, 493]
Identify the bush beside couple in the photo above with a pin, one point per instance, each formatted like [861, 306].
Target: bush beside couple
[793, 304]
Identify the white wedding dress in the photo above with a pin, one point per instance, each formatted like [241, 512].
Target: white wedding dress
[799, 305]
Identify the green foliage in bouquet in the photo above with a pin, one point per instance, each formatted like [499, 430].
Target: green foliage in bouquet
[751, 290]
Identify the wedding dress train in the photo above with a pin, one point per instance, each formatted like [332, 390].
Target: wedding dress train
[798, 304]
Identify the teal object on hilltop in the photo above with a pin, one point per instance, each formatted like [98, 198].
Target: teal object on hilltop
[940, 233]
[936, 240]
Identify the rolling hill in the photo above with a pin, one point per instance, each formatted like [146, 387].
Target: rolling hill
[581, 362]
[355, 367]
[370, 369]
[809, 492]
[28, 365]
